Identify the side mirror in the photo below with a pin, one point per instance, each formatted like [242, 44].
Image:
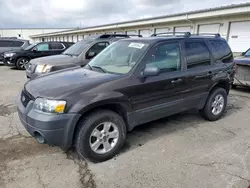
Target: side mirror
[242, 54]
[91, 55]
[34, 50]
[151, 71]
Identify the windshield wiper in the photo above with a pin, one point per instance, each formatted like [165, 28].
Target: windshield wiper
[97, 67]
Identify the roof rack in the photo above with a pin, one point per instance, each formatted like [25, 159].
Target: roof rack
[207, 34]
[134, 35]
[105, 36]
[185, 34]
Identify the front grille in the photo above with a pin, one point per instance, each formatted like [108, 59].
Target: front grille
[24, 99]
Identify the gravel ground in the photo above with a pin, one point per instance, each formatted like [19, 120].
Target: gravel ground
[179, 151]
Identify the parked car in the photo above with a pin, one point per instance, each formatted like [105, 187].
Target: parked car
[20, 58]
[78, 54]
[242, 76]
[131, 82]
[8, 44]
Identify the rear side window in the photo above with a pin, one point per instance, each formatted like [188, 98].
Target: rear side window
[5, 43]
[221, 51]
[16, 43]
[56, 46]
[197, 54]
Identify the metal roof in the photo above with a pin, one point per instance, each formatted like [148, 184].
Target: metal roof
[153, 18]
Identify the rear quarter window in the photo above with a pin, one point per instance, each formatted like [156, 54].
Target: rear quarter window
[5, 43]
[221, 51]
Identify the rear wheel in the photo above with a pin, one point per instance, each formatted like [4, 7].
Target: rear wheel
[100, 135]
[215, 105]
[22, 62]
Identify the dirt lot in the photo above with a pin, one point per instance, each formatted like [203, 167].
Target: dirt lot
[179, 151]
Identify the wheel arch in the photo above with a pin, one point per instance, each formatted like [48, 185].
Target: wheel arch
[116, 107]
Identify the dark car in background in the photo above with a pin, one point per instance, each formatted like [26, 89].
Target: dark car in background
[131, 82]
[242, 76]
[20, 58]
[9, 44]
[78, 54]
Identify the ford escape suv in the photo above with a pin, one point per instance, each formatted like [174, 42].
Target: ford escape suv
[131, 82]
[78, 54]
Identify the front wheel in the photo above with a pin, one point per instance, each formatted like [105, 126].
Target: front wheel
[22, 62]
[100, 135]
[215, 105]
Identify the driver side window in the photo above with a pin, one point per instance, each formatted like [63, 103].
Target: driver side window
[96, 49]
[42, 47]
[166, 56]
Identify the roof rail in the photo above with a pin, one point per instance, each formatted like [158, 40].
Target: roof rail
[134, 35]
[104, 36]
[207, 34]
[185, 34]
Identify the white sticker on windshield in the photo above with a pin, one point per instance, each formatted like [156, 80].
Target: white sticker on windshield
[136, 45]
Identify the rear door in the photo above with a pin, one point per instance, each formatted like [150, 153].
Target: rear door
[199, 69]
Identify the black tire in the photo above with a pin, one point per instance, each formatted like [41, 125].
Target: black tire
[206, 112]
[88, 124]
[21, 62]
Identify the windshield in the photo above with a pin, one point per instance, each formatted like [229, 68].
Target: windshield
[77, 48]
[247, 53]
[30, 47]
[120, 57]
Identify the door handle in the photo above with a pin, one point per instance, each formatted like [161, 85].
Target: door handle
[176, 81]
[208, 74]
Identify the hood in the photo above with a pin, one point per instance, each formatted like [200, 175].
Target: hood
[242, 60]
[54, 60]
[14, 51]
[61, 83]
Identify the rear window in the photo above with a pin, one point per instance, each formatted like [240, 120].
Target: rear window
[56, 46]
[221, 51]
[16, 43]
[5, 43]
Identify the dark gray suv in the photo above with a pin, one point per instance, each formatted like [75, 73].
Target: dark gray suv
[9, 44]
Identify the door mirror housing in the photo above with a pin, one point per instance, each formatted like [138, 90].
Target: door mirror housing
[151, 71]
[34, 50]
[91, 55]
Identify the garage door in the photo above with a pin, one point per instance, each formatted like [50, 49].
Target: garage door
[239, 36]
[209, 28]
[132, 32]
[162, 30]
[146, 32]
[182, 29]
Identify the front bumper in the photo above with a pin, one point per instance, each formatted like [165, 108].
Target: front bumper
[56, 130]
[9, 61]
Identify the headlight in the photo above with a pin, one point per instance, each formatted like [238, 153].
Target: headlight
[49, 106]
[9, 54]
[43, 68]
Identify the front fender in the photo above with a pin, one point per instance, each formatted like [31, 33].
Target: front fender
[87, 103]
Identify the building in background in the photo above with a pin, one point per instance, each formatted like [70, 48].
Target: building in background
[232, 22]
[25, 33]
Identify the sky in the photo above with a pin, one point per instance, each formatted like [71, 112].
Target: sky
[83, 13]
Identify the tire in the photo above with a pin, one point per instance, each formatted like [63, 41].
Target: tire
[21, 62]
[93, 125]
[216, 94]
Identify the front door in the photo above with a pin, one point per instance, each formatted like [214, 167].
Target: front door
[40, 50]
[158, 96]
